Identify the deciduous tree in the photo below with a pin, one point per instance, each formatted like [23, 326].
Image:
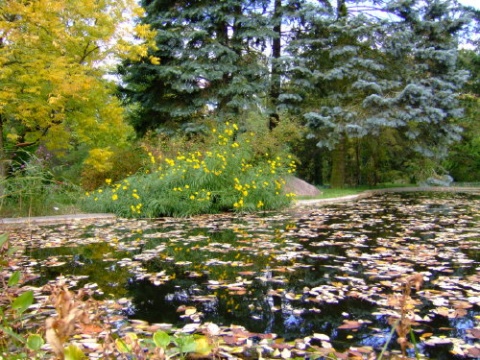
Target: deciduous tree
[52, 66]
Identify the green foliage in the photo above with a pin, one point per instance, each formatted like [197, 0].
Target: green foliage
[463, 161]
[31, 189]
[113, 163]
[229, 175]
[13, 312]
[72, 352]
[163, 345]
[358, 76]
[211, 60]
[22, 302]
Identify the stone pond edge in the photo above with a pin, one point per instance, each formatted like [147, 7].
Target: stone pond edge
[15, 223]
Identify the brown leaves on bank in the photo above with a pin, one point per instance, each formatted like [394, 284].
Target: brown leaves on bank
[72, 315]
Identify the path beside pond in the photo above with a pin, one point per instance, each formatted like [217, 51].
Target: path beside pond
[15, 223]
[369, 193]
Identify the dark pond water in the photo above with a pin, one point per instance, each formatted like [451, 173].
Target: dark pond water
[293, 274]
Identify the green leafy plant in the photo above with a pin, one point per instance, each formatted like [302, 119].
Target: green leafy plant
[230, 175]
[13, 307]
[163, 346]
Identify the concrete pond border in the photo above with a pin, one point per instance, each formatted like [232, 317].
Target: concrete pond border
[7, 224]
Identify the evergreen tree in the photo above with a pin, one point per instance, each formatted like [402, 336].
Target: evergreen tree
[212, 60]
[224, 58]
[463, 162]
[362, 74]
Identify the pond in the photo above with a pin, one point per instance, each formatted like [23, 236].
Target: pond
[331, 276]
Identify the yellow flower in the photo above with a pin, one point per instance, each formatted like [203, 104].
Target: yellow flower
[192, 197]
[154, 60]
[108, 181]
[260, 204]
[114, 197]
[135, 195]
[238, 204]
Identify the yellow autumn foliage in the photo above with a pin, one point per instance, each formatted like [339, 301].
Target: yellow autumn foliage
[100, 160]
[53, 58]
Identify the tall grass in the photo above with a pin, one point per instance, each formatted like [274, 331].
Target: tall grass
[31, 190]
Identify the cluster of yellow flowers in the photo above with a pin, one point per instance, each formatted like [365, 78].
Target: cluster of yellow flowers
[243, 192]
[152, 158]
[196, 160]
[117, 188]
[202, 195]
[195, 175]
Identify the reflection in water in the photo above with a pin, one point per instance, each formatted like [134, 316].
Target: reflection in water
[296, 274]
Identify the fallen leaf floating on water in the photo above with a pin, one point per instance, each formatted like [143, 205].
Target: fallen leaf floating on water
[350, 325]
[473, 333]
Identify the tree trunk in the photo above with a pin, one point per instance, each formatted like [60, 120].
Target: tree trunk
[222, 35]
[3, 159]
[337, 180]
[275, 84]
[341, 9]
[358, 167]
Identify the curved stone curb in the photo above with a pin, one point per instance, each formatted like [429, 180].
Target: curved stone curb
[328, 201]
[369, 193]
[15, 223]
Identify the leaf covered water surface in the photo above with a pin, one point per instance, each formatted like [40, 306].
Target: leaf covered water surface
[327, 280]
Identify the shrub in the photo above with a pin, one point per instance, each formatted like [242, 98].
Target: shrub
[228, 175]
[114, 164]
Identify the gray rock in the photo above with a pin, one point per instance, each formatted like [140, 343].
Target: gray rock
[444, 180]
[300, 187]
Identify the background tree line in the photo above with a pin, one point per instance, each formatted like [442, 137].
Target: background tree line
[360, 92]
[374, 85]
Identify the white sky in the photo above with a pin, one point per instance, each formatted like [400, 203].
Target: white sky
[474, 3]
